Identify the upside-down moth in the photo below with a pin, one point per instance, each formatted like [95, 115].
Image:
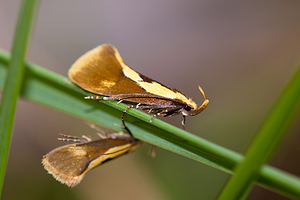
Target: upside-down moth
[68, 164]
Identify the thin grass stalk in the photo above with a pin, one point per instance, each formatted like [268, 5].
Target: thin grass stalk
[268, 138]
[14, 80]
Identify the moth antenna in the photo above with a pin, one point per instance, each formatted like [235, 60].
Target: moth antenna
[202, 107]
[69, 138]
[203, 93]
[93, 97]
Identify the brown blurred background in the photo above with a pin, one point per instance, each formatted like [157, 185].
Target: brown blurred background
[241, 53]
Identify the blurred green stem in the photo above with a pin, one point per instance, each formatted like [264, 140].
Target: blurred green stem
[269, 136]
[14, 80]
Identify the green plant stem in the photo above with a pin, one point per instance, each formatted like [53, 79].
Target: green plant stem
[14, 80]
[268, 138]
[55, 91]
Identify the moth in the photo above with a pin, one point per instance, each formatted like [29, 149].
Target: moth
[68, 164]
[102, 71]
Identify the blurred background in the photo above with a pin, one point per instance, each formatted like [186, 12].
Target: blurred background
[241, 53]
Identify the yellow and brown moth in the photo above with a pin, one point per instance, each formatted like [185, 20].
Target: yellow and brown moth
[68, 164]
[102, 71]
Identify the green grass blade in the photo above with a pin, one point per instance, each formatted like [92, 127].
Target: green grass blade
[55, 91]
[13, 82]
[268, 138]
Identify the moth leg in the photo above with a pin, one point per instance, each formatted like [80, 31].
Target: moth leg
[122, 118]
[152, 116]
[152, 151]
[120, 126]
[100, 132]
[88, 139]
[183, 122]
[137, 105]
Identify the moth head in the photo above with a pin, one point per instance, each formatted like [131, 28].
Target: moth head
[189, 111]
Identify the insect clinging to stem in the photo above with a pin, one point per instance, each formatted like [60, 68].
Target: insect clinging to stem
[103, 72]
[69, 163]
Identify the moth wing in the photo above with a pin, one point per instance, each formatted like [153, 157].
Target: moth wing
[60, 163]
[101, 71]
[68, 164]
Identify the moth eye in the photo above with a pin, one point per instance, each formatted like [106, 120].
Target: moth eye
[187, 108]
